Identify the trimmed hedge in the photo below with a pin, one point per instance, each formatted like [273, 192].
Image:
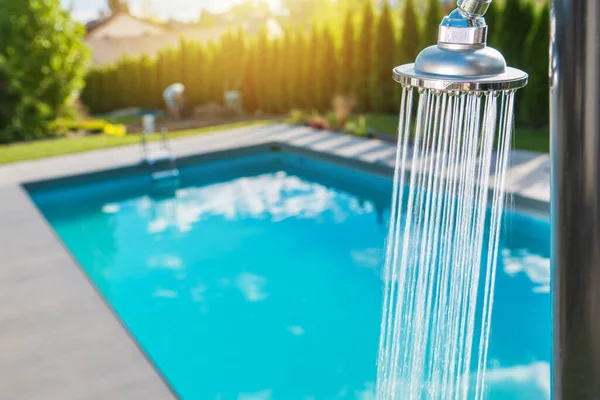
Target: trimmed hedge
[352, 55]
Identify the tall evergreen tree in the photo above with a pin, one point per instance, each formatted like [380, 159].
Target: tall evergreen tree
[288, 66]
[346, 73]
[364, 63]
[327, 70]
[298, 74]
[515, 25]
[116, 6]
[271, 82]
[249, 90]
[278, 84]
[535, 103]
[431, 24]
[492, 18]
[203, 70]
[382, 87]
[409, 38]
[311, 73]
[261, 76]
[303, 64]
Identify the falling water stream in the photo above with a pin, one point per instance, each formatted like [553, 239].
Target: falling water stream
[440, 259]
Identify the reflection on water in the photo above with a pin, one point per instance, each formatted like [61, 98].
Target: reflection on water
[271, 196]
[253, 287]
[530, 381]
[267, 284]
[536, 267]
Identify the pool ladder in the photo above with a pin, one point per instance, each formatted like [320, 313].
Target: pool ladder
[161, 161]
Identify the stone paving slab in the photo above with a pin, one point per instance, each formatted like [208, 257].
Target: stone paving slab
[58, 339]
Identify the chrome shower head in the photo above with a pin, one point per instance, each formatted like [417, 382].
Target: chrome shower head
[461, 60]
[452, 153]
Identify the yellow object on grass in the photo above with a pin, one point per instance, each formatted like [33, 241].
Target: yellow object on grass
[115, 130]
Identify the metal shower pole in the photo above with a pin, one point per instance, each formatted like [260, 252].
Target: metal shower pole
[575, 208]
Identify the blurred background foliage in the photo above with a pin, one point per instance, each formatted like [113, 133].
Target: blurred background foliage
[328, 48]
[42, 67]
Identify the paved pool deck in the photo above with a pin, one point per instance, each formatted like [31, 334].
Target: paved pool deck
[59, 339]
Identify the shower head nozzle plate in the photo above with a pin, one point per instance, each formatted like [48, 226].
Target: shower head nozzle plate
[511, 79]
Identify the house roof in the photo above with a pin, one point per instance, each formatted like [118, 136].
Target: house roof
[94, 25]
[122, 39]
[109, 50]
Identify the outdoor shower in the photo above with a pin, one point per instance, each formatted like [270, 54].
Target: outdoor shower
[443, 245]
[575, 203]
[430, 341]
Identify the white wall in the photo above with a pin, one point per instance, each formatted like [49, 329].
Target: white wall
[124, 26]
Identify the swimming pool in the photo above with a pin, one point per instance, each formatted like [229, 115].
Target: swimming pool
[258, 277]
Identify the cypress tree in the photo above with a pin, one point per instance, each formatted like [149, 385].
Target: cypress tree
[364, 63]
[216, 82]
[249, 92]
[288, 70]
[161, 78]
[298, 75]
[261, 69]
[137, 85]
[154, 95]
[267, 79]
[515, 25]
[312, 70]
[199, 75]
[382, 86]
[327, 70]
[278, 82]
[492, 18]
[346, 73]
[89, 94]
[187, 68]
[203, 75]
[536, 103]
[409, 39]
[431, 24]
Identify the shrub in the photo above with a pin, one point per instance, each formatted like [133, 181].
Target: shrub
[93, 126]
[115, 130]
[298, 117]
[358, 128]
[319, 123]
[90, 125]
[331, 120]
[42, 64]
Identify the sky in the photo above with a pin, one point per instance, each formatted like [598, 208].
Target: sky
[85, 10]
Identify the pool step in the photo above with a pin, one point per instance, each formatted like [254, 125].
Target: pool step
[161, 160]
[158, 157]
[168, 174]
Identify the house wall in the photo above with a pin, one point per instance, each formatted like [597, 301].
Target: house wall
[123, 26]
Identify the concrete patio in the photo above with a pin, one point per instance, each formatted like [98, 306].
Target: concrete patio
[60, 340]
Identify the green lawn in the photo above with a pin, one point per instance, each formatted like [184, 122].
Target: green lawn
[524, 138]
[126, 119]
[54, 147]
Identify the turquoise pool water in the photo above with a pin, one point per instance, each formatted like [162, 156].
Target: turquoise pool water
[259, 278]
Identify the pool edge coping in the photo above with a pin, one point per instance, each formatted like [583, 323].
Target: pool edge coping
[521, 202]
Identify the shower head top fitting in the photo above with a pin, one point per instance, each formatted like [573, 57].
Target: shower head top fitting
[461, 60]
